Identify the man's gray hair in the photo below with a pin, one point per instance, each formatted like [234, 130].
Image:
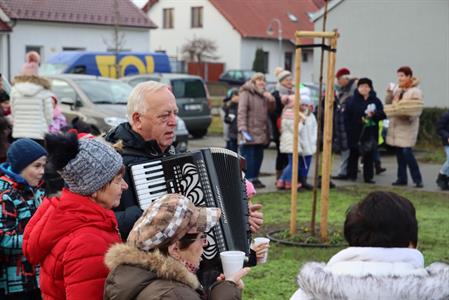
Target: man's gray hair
[136, 100]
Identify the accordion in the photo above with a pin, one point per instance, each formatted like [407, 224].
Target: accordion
[208, 177]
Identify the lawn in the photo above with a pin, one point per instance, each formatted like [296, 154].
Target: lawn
[276, 278]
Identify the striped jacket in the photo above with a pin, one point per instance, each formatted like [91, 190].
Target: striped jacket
[18, 202]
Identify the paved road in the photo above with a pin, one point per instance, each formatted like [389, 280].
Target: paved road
[428, 171]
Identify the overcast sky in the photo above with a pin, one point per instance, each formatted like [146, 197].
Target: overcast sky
[139, 3]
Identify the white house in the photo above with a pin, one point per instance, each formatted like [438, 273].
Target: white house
[238, 28]
[52, 26]
[377, 37]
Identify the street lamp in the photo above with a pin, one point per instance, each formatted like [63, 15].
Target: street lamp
[270, 33]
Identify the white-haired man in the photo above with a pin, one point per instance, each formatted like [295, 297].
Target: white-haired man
[149, 134]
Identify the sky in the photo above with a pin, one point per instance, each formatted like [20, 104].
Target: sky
[139, 3]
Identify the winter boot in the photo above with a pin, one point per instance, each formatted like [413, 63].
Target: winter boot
[443, 181]
[280, 184]
[304, 183]
[331, 184]
[378, 167]
[288, 185]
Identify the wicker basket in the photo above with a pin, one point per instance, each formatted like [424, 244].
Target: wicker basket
[409, 108]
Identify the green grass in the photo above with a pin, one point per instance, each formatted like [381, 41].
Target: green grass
[276, 279]
[216, 127]
[433, 155]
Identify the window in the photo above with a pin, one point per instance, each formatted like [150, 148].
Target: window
[196, 17]
[63, 91]
[38, 49]
[73, 49]
[188, 88]
[288, 60]
[167, 18]
[265, 57]
[305, 56]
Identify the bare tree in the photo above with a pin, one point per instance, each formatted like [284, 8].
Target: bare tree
[118, 38]
[199, 50]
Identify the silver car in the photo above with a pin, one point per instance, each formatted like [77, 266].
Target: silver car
[100, 102]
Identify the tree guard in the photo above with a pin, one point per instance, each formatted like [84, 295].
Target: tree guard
[331, 37]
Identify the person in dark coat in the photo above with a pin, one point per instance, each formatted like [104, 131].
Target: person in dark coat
[363, 112]
[443, 132]
[149, 135]
[346, 85]
[230, 109]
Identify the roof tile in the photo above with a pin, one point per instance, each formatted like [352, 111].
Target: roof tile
[98, 12]
[251, 18]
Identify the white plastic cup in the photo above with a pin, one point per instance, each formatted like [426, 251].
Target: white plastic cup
[232, 262]
[391, 86]
[262, 240]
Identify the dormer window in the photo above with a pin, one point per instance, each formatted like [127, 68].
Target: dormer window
[292, 17]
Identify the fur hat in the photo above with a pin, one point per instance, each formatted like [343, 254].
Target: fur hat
[281, 74]
[86, 165]
[257, 75]
[168, 219]
[22, 153]
[31, 66]
[342, 72]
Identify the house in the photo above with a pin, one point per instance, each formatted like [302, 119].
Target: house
[52, 26]
[238, 28]
[376, 38]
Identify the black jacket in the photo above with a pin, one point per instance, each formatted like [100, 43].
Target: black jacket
[231, 110]
[443, 128]
[135, 150]
[355, 110]
[274, 115]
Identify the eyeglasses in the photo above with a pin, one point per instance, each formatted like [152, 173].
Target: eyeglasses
[201, 236]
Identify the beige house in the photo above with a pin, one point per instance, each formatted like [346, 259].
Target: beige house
[377, 37]
[238, 27]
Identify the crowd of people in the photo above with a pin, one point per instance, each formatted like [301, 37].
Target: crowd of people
[357, 128]
[93, 240]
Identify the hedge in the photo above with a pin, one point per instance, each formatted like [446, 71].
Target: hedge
[427, 128]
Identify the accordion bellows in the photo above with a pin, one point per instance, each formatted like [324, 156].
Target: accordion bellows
[405, 107]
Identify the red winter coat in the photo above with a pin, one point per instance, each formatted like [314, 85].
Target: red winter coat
[68, 237]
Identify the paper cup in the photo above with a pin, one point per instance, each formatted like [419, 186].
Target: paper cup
[232, 262]
[262, 240]
[391, 86]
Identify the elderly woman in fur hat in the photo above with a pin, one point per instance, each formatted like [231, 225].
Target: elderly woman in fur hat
[163, 253]
[70, 234]
[31, 102]
[252, 121]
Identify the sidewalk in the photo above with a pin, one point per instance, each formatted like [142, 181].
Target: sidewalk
[429, 171]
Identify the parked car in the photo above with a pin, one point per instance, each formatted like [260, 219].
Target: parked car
[191, 95]
[100, 102]
[236, 77]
